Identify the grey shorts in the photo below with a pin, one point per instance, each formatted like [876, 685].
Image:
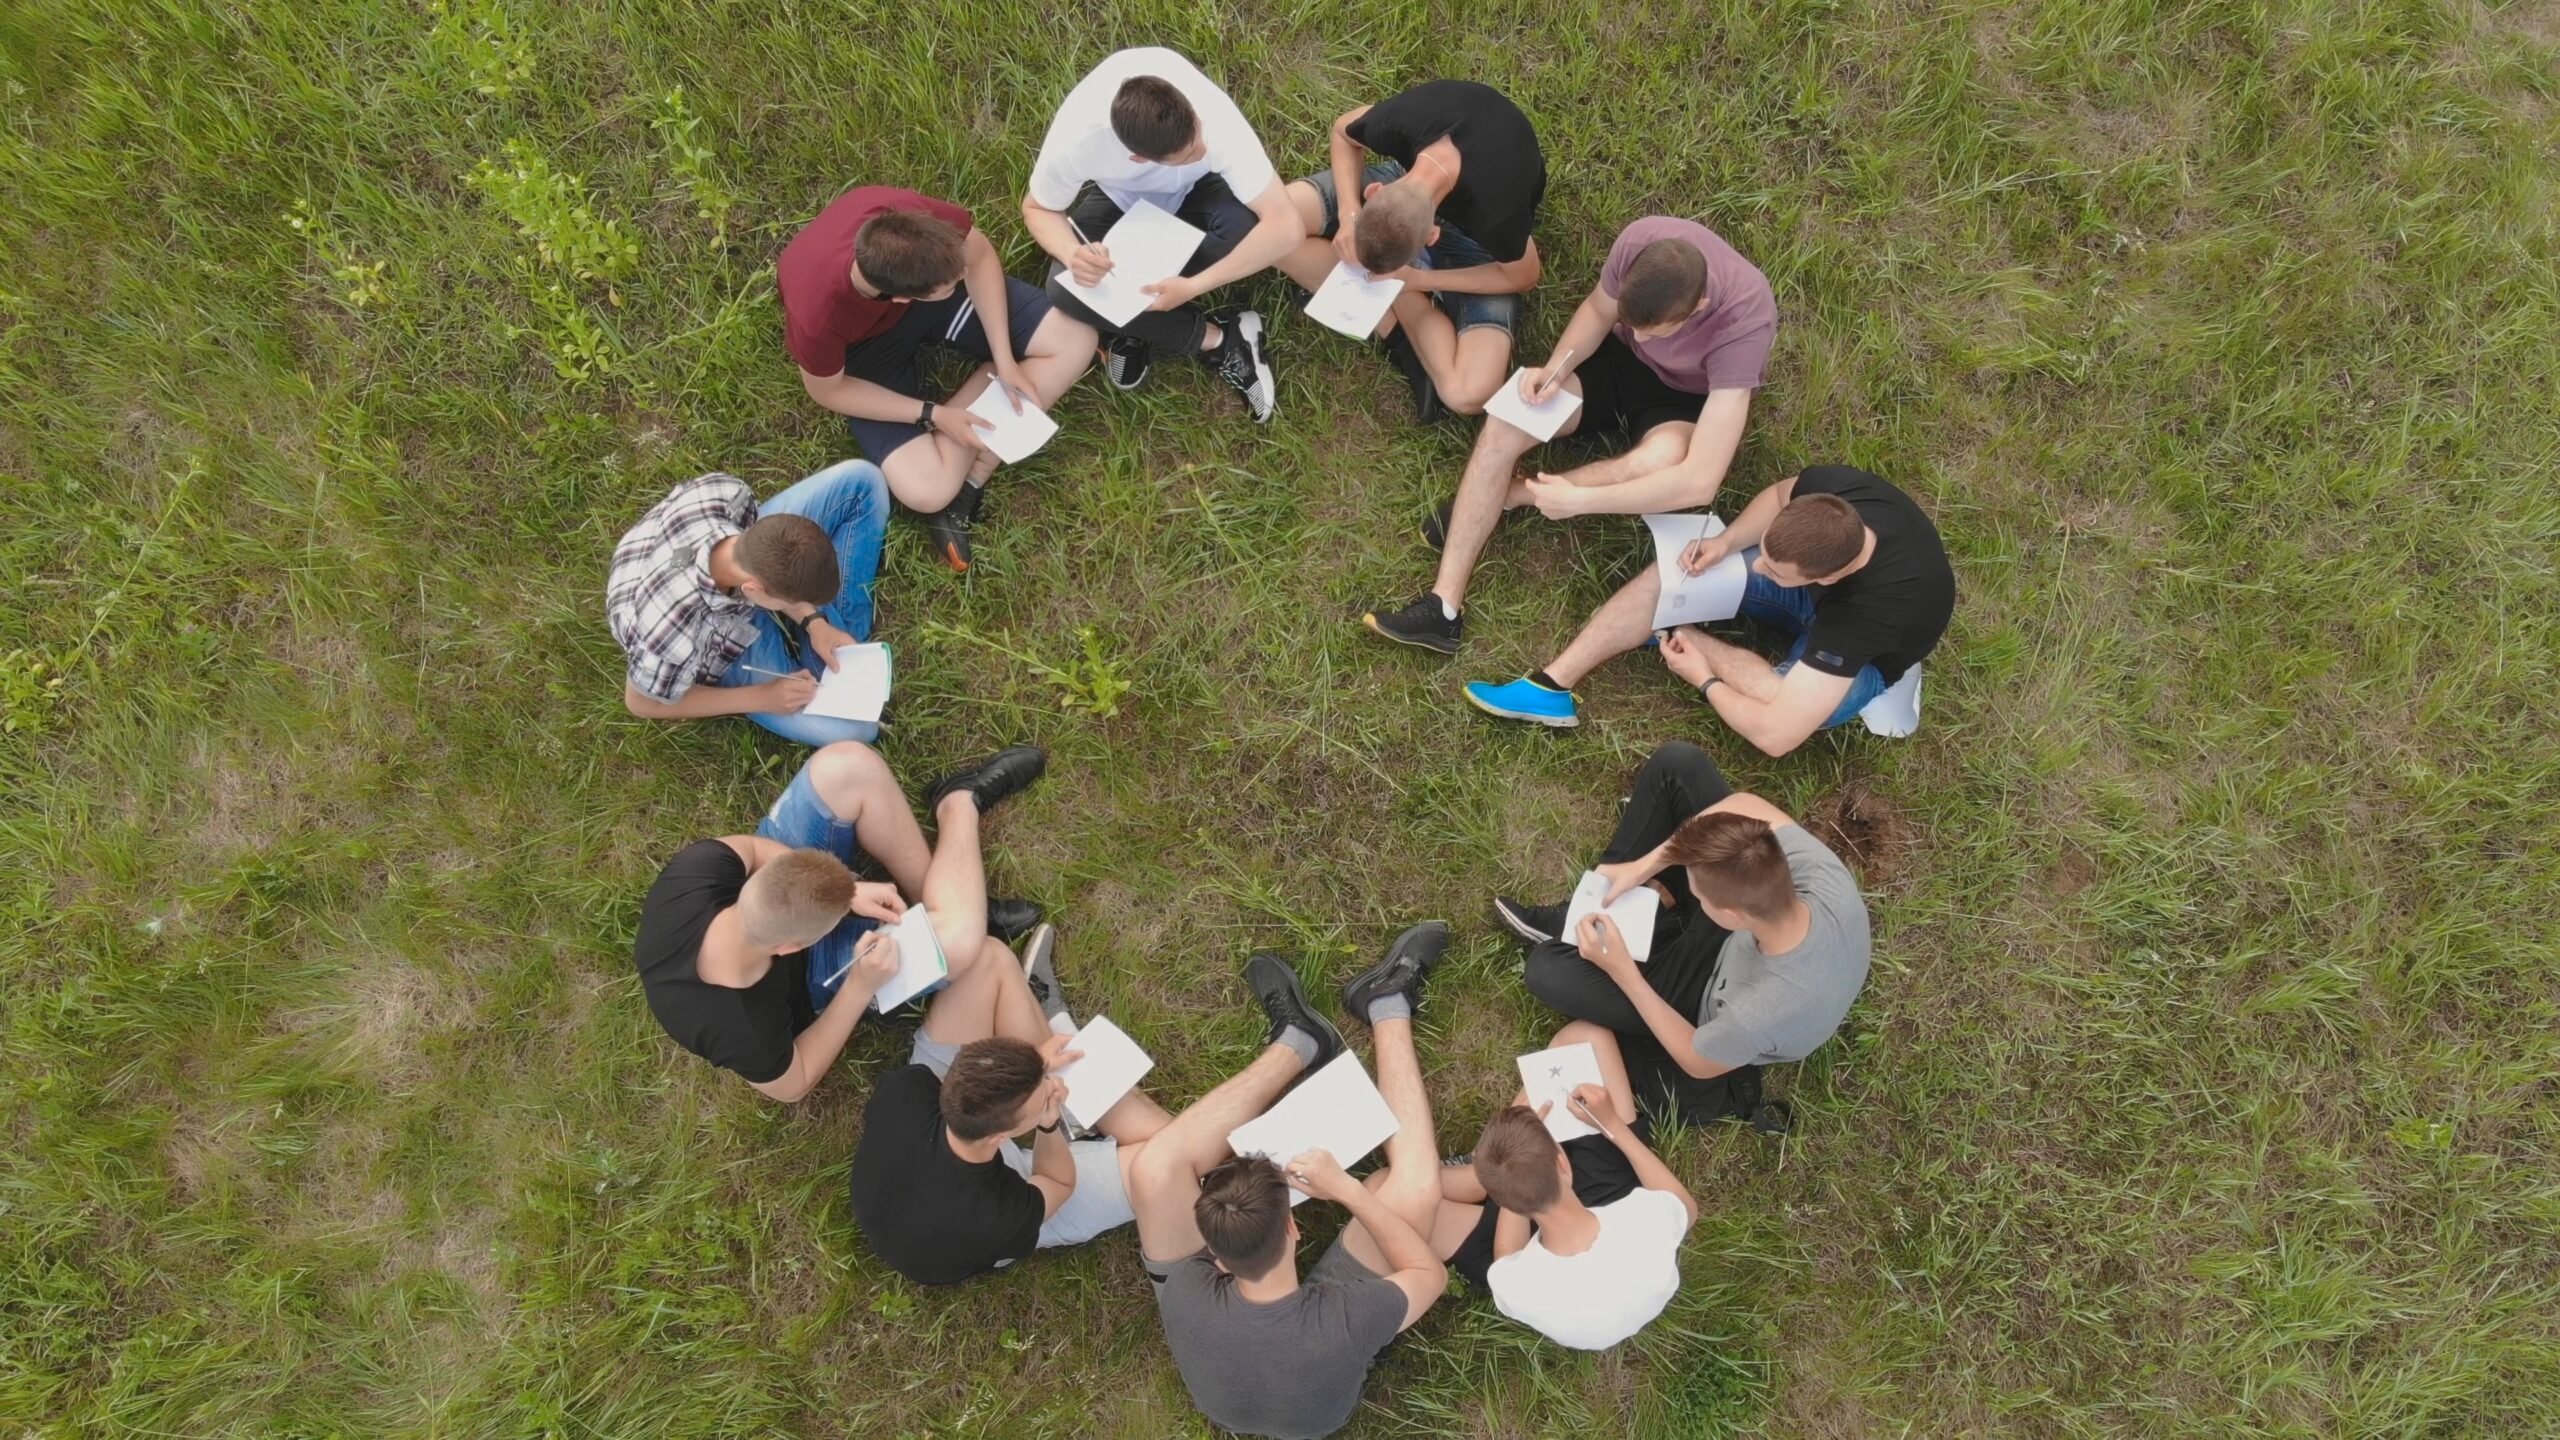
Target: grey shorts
[1454, 250]
[1100, 1201]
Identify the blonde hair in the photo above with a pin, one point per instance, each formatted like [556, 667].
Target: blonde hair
[796, 899]
[1394, 226]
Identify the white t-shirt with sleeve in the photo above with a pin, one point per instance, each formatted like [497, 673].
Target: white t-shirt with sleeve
[1081, 145]
[1593, 1300]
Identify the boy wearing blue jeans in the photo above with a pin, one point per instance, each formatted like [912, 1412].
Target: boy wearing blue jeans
[723, 606]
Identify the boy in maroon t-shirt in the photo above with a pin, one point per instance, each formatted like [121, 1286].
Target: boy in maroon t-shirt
[866, 287]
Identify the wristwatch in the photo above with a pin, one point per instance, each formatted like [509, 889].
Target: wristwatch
[924, 417]
[1707, 684]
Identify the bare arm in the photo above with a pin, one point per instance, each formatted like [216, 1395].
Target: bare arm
[1688, 482]
[861, 399]
[1805, 698]
[1605, 948]
[771, 697]
[814, 1050]
[1651, 1173]
[1343, 156]
[1053, 1169]
[1418, 1272]
[1502, 277]
[1753, 522]
[982, 274]
[1510, 1234]
[1277, 232]
[1050, 230]
[1582, 335]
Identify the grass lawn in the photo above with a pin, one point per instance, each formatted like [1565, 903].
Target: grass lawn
[2205, 1083]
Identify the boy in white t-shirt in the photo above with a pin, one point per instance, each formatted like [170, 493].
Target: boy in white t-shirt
[1579, 1241]
[1147, 125]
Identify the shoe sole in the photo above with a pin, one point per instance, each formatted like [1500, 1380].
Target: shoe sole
[1517, 925]
[1351, 988]
[1249, 325]
[1041, 948]
[1552, 722]
[952, 557]
[1433, 645]
[1102, 357]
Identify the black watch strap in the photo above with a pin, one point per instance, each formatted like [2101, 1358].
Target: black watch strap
[924, 417]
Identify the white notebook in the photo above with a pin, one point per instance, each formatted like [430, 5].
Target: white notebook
[920, 963]
[1147, 245]
[1542, 419]
[1694, 599]
[1111, 1067]
[1352, 301]
[1016, 436]
[1634, 911]
[1550, 1075]
[1337, 1109]
[857, 688]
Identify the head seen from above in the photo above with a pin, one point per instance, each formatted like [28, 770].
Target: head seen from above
[1243, 1214]
[1158, 125]
[999, 1086]
[1396, 221]
[1737, 869]
[1520, 1165]
[792, 902]
[788, 563]
[904, 255]
[1815, 540]
[1665, 285]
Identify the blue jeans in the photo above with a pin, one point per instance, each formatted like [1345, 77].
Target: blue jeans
[1454, 250]
[850, 501]
[802, 821]
[1791, 607]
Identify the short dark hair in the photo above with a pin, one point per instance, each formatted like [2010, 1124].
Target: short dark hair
[1394, 226]
[1243, 1214]
[907, 254]
[1152, 118]
[1516, 1161]
[986, 1085]
[1735, 861]
[792, 557]
[1663, 283]
[1817, 534]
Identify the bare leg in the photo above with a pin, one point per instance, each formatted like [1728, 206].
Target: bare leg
[1613, 1065]
[855, 785]
[1620, 624]
[984, 998]
[1311, 262]
[927, 471]
[1061, 351]
[1478, 505]
[1164, 1180]
[1410, 1185]
[1482, 362]
[955, 884]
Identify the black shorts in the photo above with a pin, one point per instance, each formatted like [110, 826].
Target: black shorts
[895, 358]
[1665, 1090]
[1622, 395]
[1601, 1176]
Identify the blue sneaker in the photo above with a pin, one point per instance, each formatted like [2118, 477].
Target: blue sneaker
[1525, 699]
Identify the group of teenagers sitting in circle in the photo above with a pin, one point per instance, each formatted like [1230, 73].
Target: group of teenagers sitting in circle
[762, 952]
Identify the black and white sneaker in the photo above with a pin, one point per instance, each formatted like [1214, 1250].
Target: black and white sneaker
[1040, 970]
[1126, 360]
[1534, 924]
[1408, 964]
[1422, 621]
[1240, 361]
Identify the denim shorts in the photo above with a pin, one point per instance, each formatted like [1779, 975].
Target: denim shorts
[802, 821]
[1452, 251]
[1790, 607]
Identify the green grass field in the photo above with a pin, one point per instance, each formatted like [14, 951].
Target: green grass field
[2206, 1081]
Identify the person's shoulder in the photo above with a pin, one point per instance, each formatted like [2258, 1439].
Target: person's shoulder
[700, 861]
[1806, 854]
[1660, 1213]
[906, 1087]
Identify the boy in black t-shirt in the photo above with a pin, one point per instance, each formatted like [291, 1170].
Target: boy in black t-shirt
[760, 952]
[1843, 560]
[1446, 208]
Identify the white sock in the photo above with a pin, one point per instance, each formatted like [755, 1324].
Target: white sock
[1447, 610]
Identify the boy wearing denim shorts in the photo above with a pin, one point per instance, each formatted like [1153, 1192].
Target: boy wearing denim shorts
[1445, 205]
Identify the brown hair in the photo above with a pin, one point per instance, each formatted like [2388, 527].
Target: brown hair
[1735, 862]
[1243, 1213]
[986, 1085]
[907, 254]
[1663, 283]
[792, 557]
[1516, 1161]
[794, 899]
[1394, 226]
[1152, 118]
[1817, 534]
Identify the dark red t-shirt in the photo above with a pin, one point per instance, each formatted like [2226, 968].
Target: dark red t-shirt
[821, 311]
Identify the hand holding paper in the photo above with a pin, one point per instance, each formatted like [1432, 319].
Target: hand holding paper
[1634, 911]
[1014, 435]
[1693, 599]
[1147, 245]
[1352, 301]
[1111, 1065]
[857, 688]
[1550, 1076]
[920, 963]
[1337, 1109]
[1541, 419]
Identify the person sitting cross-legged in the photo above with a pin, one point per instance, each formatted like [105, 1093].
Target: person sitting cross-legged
[723, 606]
[1842, 560]
[1760, 947]
[1665, 350]
[1263, 1349]
[760, 952]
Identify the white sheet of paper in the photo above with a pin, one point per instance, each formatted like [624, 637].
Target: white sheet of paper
[1112, 1067]
[1694, 599]
[920, 963]
[1551, 1075]
[1896, 712]
[1540, 420]
[1147, 245]
[1352, 302]
[1634, 912]
[1338, 1109]
[857, 688]
[1016, 437]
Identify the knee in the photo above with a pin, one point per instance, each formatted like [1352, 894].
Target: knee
[1552, 967]
[1583, 1032]
[1682, 758]
[846, 774]
[1468, 396]
[1158, 1172]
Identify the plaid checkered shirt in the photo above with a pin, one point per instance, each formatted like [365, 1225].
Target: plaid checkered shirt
[665, 611]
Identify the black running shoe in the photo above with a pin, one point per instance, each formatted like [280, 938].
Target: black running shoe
[1040, 971]
[1421, 622]
[1435, 531]
[948, 528]
[1408, 963]
[1427, 406]
[993, 778]
[1534, 924]
[1126, 360]
[1240, 361]
[1773, 1118]
[1010, 920]
[1276, 988]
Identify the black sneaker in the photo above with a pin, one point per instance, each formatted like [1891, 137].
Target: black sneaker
[1240, 362]
[1040, 971]
[1435, 531]
[1408, 963]
[1534, 924]
[1126, 360]
[1773, 1118]
[993, 778]
[948, 528]
[1275, 986]
[1421, 622]
[1426, 398]
[1010, 920]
